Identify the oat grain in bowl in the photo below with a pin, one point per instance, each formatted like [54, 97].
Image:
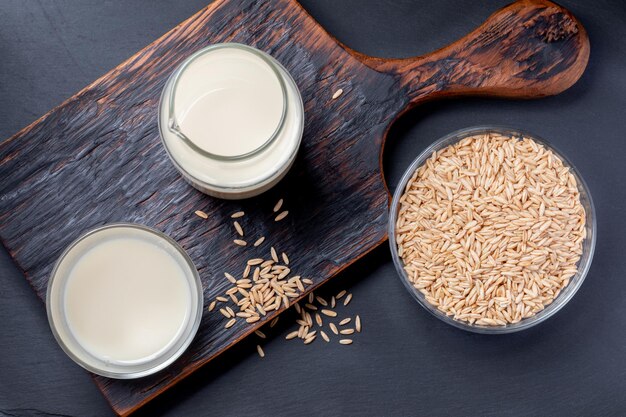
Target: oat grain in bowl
[490, 228]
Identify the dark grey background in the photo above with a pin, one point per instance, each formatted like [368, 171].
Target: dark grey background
[405, 362]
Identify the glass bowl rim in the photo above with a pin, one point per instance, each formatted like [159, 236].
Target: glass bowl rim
[564, 296]
[160, 362]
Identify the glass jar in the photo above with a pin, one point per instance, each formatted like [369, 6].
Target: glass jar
[231, 120]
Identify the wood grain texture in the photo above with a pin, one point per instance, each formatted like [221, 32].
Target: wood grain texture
[528, 49]
[97, 158]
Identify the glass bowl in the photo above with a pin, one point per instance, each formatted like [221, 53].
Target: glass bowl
[565, 294]
[60, 326]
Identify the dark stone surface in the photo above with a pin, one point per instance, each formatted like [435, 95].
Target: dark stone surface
[406, 362]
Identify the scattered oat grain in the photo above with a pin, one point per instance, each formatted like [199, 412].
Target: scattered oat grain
[238, 228]
[347, 300]
[278, 205]
[281, 216]
[321, 301]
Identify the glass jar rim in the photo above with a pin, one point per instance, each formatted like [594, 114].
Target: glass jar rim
[173, 125]
[295, 114]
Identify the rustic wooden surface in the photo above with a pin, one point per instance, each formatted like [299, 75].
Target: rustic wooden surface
[97, 158]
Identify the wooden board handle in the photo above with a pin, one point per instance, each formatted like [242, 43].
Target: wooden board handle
[531, 48]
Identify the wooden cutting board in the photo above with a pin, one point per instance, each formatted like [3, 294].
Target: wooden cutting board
[97, 157]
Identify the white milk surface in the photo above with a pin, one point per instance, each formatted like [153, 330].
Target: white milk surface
[229, 102]
[126, 299]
